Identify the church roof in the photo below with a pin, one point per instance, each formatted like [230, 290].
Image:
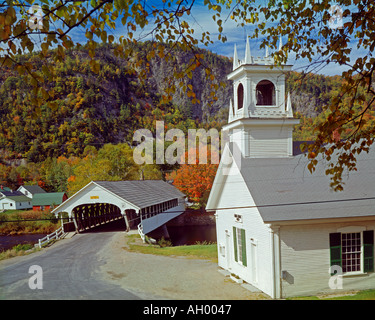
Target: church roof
[284, 189]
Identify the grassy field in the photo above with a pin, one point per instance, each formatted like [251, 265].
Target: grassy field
[198, 251]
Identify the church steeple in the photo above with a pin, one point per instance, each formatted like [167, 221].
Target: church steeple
[259, 90]
[260, 109]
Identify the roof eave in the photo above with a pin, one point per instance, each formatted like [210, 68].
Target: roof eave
[310, 221]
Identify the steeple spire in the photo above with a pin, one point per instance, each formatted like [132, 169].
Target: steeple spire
[231, 112]
[235, 58]
[248, 52]
[289, 110]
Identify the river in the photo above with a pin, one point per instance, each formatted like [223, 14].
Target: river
[188, 235]
[179, 235]
[8, 242]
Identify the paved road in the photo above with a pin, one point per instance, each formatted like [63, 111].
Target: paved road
[69, 271]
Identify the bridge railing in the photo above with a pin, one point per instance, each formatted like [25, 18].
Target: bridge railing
[54, 235]
[140, 231]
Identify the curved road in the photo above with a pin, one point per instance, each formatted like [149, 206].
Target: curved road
[70, 270]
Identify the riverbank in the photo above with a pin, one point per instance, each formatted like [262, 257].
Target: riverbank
[21, 222]
[18, 251]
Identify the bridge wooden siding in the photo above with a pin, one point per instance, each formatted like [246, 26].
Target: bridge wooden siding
[88, 216]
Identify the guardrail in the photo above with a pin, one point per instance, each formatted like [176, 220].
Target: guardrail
[54, 235]
[140, 231]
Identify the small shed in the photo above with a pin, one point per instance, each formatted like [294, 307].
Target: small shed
[46, 201]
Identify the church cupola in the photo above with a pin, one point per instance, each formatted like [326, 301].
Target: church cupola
[260, 112]
[258, 86]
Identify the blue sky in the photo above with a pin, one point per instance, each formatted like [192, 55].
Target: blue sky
[201, 21]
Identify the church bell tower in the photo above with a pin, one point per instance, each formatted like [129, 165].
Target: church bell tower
[260, 117]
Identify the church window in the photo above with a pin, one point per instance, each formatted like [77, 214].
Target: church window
[240, 96]
[353, 252]
[239, 244]
[265, 93]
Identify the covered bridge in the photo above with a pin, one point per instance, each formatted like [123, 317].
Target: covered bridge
[146, 204]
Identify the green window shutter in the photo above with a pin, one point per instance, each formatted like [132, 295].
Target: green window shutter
[235, 243]
[335, 248]
[368, 251]
[243, 238]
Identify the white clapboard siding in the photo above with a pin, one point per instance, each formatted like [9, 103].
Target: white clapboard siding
[233, 195]
[305, 257]
[268, 143]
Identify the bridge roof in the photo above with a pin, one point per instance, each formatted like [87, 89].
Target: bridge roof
[133, 194]
[142, 193]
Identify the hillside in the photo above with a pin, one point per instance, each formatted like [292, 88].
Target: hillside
[94, 109]
[107, 107]
[89, 135]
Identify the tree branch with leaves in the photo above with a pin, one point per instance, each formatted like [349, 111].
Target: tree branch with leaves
[305, 24]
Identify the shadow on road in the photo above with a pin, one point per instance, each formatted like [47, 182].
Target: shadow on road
[118, 225]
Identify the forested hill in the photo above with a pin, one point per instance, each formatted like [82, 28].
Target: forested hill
[108, 106]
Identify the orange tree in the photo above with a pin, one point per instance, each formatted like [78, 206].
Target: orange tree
[194, 179]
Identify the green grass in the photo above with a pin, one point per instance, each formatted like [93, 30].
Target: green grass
[18, 250]
[360, 295]
[14, 211]
[198, 251]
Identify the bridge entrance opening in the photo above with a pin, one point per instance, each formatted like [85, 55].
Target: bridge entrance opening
[96, 215]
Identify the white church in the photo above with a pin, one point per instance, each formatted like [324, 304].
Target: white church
[279, 227]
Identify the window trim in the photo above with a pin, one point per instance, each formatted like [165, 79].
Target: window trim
[367, 257]
[361, 257]
[239, 245]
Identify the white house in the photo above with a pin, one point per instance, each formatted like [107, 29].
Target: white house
[280, 228]
[29, 191]
[15, 202]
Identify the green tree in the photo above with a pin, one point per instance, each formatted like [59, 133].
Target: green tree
[55, 173]
[112, 163]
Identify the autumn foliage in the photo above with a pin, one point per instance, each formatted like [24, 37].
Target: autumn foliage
[195, 180]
